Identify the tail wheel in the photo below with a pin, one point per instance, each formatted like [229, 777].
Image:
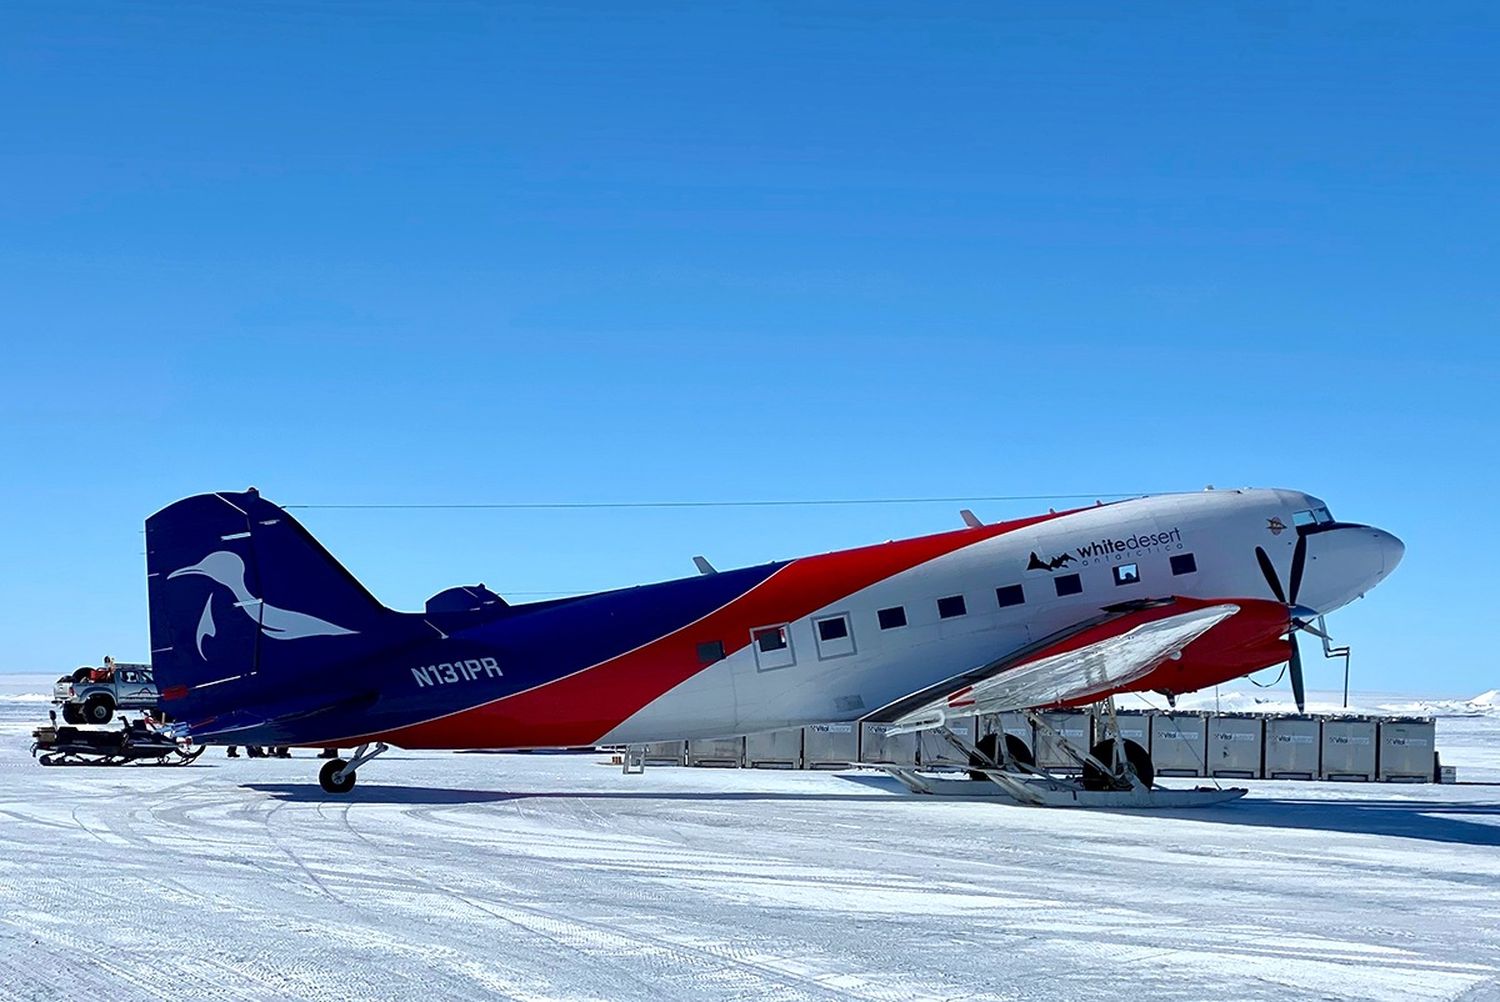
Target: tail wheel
[98, 709]
[1015, 747]
[328, 777]
[1135, 759]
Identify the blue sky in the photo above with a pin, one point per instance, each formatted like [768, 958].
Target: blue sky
[506, 252]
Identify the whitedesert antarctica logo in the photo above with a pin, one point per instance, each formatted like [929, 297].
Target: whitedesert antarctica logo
[1105, 550]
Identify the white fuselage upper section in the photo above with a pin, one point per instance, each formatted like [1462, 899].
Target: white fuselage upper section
[1067, 569]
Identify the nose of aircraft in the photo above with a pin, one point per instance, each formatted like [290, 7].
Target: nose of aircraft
[1391, 550]
[1345, 561]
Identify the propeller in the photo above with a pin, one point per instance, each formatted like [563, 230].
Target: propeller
[1299, 694]
[1289, 599]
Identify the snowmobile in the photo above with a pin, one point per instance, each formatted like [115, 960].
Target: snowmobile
[134, 743]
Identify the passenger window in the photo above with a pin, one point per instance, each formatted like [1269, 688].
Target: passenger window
[1184, 563]
[892, 618]
[1127, 574]
[951, 607]
[710, 651]
[773, 647]
[1010, 595]
[1068, 584]
[772, 638]
[834, 639]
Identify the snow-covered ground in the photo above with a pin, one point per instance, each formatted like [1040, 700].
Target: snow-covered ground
[551, 876]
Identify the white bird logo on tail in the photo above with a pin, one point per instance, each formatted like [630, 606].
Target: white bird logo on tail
[228, 569]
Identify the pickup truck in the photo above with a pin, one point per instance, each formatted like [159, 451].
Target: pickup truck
[92, 695]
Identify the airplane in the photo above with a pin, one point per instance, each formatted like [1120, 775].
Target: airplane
[260, 637]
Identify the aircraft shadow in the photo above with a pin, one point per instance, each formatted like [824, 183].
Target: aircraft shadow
[1442, 821]
[428, 796]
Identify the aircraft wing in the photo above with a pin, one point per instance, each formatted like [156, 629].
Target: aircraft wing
[1094, 658]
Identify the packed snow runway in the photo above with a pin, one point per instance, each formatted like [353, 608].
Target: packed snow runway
[550, 876]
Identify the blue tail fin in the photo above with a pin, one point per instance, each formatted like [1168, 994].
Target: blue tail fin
[247, 607]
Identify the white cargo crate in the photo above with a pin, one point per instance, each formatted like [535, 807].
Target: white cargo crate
[774, 749]
[1076, 726]
[1179, 744]
[1406, 750]
[1134, 725]
[1349, 748]
[666, 753]
[1293, 746]
[1236, 745]
[935, 753]
[722, 752]
[876, 746]
[830, 746]
[1010, 723]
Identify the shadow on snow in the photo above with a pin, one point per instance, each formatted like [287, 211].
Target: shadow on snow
[1432, 821]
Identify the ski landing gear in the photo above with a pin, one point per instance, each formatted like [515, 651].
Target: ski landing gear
[1115, 763]
[337, 776]
[1115, 773]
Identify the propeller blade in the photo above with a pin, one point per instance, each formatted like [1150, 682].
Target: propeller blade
[1299, 562]
[1294, 666]
[1269, 570]
[1302, 624]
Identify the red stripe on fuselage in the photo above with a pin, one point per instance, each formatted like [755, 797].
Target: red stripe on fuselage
[583, 707]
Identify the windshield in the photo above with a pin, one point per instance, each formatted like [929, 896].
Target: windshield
[1312, 516]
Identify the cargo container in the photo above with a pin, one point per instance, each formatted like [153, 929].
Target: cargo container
[878, 747]
[1134, 725]
[830, 746]
[1292, 747]
[666, 753]
[1076, 726]
[1179, 744]
[933, 752]
[1405, 750]
[1236, 745]
[774, 749]
[1348, 749]
[721, 752]
[1011, 723]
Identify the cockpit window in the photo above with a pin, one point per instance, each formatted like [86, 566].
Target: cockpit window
[1312, 516]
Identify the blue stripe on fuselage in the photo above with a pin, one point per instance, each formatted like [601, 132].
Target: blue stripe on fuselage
[534, 644]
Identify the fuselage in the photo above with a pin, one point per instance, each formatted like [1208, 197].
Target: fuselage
[836, 636]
